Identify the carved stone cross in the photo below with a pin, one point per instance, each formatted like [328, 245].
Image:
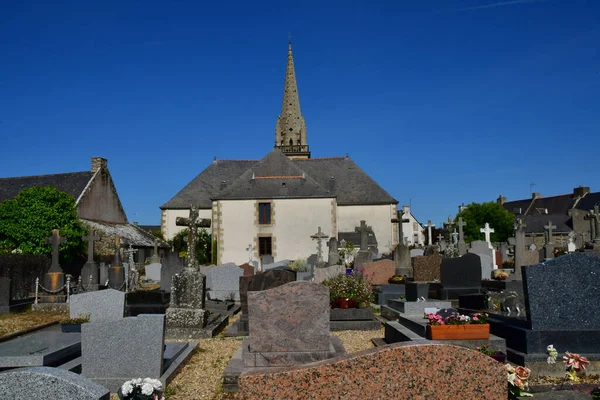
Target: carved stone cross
[91, 238]
[454, 237]
[364, 231]
[250, 249]
[319, 236]
[461, 234]
[520, 224]
[55, 240]
[487, 231]
[130, 252]
[549, 228]
[594, 216]
[400, 220]
[193, 224]
[429, 238]
[440, 237]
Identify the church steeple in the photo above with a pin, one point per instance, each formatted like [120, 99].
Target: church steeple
[290, 132]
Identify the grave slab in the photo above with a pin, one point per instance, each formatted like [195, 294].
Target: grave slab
[40, 349]
[102, 305]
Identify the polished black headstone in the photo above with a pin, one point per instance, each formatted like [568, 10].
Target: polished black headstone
[563, 293]
[461, 272]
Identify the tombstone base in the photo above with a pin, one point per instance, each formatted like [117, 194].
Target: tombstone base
[236, 365]
[90, 270]
[353, 319]
[53, 281]
[116, 278]
[387, 292]
[186, 318]
[216, 323]
[282, 358]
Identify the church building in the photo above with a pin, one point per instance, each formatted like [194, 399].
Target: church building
[274, 205]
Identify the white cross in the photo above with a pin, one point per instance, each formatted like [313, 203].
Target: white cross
[429, 238]
[487, 231]
[250, 251]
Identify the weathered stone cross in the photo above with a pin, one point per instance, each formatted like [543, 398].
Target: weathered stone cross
[549, 228]
[454, 237]
[319, 236]
[440, 237]
[583, 236]
[520, 224]
[595, 216]
[250, 249]
[55, 240]
[91, 238]
[487, 231]
[117, 256]
[193, 224]
[400, 220]
[130, 252]
[461, 234]
[364, 231]
[156, 241]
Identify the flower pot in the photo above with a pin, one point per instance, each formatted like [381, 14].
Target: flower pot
[458, 332]
[345, 303]
[68, 328]
[500, 357]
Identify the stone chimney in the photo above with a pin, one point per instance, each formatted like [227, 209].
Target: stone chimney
[501, 200]
[581, 191]
[98, 163]
[331, 184]
[406, 209]
[536, 195]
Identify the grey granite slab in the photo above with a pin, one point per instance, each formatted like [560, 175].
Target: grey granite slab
[289, 318]
[39, 349]
[563, 293]
[223, 282]
[123, 349]
[102, 305]
[49, 383]
[171, 265]
[417, 307]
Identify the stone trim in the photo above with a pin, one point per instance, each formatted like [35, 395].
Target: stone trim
[334, 228]
[217, 229]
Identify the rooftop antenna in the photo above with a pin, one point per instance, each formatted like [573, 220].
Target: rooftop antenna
[531, 185]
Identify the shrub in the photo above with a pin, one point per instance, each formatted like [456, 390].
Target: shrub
[300, 265]
[351, 287]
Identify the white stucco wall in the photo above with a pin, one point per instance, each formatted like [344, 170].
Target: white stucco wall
[378, 217]
[293, 221]
[167, 224]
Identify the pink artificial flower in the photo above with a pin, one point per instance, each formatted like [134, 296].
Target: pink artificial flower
[522, 372]
[575, 361]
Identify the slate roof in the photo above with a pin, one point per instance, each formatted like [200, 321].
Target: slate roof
[589, 201]
[518, 207]
[71, 183]
[535, 223]
[354, 237]
[129, 233]
[302, 178]
[555, 205]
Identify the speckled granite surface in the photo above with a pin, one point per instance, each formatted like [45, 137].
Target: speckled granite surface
[397, 371]
[427, 268]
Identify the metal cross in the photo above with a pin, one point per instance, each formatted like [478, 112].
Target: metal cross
[55, 240]
[319, 236]
[91, 238]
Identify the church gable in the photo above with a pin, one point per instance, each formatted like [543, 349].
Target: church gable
[71, 183]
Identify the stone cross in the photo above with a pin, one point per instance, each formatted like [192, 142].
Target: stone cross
[429, 238]
[193, 224]
[250, 249]
[487, 231]
[594, 215]
[130, 252]
[401, 220]
[91, 238]
[319, 236]
[454, 237]
[117, 257]
[549, 228]
[55, 240]
[364, 231]
[156, 241]
[334, 255]
[583, 236]
[440, 237]
[571, 246]
[462, 246]
[520, 226]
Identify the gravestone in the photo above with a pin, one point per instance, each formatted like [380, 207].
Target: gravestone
[266, 259]
[462, 246]
[153, 271]
[116, 272]
[116, 351]
[103, 305]
[416, 252]
[247, 269]
[427, 268]
[520, 248]
[223, 282]
[55, 278]
[262, 281]
[172, 265]
[481, 248]
[49, 383]
[90, 268]
[401, 252]
[319, 237]
[334, 255]
[4, 295]
[103, 274]
[558, 293]
[364, 255]
[387, 372]
[39, 349]
[278, 264]
[460, 276]
[186, 314]
[531, 257]
[322, 274]
[378, 272]
[549, 245]
[193, 223]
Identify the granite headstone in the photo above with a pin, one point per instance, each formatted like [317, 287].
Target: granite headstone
[223, 282]
[102, 305]
[417, 252]
[153, 271]
[172, 265]
[427, 268]
[378, 272]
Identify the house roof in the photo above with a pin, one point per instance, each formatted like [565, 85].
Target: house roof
[536, 223]
[518, 207]
[315, 177]
[588, 202]
[72, 183]
[542, 206]
[130, 234]
[354, 237]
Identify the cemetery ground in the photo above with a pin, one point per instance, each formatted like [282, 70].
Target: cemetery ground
[13, 323]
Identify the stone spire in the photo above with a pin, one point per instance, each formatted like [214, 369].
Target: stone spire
[290, 132]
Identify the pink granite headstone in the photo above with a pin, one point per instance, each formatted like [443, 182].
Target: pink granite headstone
[378, 272]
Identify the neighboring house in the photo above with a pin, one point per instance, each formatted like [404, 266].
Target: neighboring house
[568, 212]
[278, 202]
[98, 205]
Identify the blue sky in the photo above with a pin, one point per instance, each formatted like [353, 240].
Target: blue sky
[441, 102]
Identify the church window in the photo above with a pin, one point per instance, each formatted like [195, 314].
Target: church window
[264, 213]
[264, 246]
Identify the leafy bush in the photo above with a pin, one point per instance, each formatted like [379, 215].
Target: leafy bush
[300, 265]
[351, 287]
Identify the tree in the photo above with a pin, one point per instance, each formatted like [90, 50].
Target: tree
[477, 214]
[29, 218]
[203, 248]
